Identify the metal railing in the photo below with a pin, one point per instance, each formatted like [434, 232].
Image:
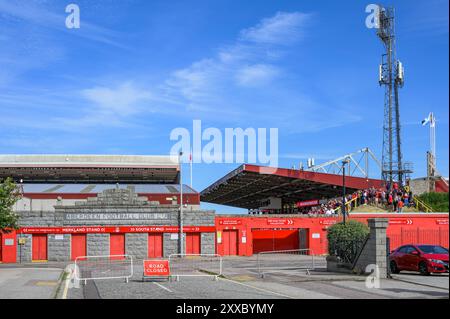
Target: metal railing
[421, 206]
[195, 265]
[285, 261]
[104, 267]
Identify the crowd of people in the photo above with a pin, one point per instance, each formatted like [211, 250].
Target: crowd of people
[393, 199]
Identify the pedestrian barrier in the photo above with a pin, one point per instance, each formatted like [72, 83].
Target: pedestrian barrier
[104, 267]
[285, 261]
[195, 265]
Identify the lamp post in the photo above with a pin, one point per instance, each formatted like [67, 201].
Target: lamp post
[344, 213]
[181, 205]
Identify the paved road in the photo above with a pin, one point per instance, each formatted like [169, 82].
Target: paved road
[28, 283]
[433, 280]
[243, 282]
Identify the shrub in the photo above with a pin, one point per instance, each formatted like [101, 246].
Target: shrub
[345, 240]
[437, 201]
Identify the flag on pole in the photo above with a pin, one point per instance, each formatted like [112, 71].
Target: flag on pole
[426, 120]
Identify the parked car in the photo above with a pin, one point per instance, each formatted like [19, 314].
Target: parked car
[423, 258]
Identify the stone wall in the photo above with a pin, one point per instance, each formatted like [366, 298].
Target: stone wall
[97, 244]
[170, 246]
[208, 243]
[24, 251]
[58, 247]
[113, 207]
[374, 252]
[136, 245]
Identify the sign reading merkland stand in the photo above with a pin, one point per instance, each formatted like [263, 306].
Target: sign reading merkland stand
[156, 268]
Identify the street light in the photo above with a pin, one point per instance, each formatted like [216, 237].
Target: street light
[344, 213]
[181, 239]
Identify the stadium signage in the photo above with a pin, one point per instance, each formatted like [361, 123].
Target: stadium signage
[278, 221]
[328, 221]
[158, 268]
[230, 222]
[115, 229]
[307, 203]
[442, 221]
[115, 216]
[400, 221]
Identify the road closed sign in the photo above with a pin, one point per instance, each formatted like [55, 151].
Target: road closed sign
[156, 268]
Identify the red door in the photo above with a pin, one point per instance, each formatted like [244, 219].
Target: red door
[275, 239]
[117, 245]
[230, 242]
[78, 245]
[39, 250]
[155, 245]
[1, 244]
[193, 243]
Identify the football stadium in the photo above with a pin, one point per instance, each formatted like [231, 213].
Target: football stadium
[80, 205]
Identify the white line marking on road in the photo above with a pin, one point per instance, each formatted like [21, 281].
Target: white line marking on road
[161, 286]
[257, 288]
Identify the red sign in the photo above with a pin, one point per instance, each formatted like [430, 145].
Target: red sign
[307, 203]
[278, 221]
[442, 221]
[328, 221]
[115, 229]
[400, 221]
[156, 268]
[230, 222]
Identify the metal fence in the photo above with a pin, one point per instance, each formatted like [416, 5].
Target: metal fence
[285, 261]
[104, 267]
[347, 251]
[195, 265]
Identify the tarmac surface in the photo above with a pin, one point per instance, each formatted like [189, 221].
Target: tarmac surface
[29, 283]
[241, 280]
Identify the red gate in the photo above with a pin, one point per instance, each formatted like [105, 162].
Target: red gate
[155, 245]
[78, 245]
[193, 243]
[230, 242]
[39, 249]
[117, 245]
[274, 239]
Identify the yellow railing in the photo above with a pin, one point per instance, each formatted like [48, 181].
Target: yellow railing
[347, 206]
[421, 206]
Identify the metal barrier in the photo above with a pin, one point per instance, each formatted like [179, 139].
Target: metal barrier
[285, 261]
[193, 265]
[104, 267]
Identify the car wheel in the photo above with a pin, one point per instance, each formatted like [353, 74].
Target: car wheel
[423, 268]
[394, 268]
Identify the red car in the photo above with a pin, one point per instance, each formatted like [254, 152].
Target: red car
[423, 258]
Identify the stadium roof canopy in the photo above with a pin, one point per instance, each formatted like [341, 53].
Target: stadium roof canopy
[98, 188]
[90, 168]
[249, 185]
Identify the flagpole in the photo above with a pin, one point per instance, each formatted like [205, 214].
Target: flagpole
[190, 157]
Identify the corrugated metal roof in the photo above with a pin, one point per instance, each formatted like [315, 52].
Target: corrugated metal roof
[98, 188]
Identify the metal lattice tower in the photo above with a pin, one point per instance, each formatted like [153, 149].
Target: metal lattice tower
[391, 75]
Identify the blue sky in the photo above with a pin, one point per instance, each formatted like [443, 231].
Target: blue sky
[135, 70]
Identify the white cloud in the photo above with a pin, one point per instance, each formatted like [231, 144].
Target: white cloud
[122, 100]
[283, 28]
[257, 74]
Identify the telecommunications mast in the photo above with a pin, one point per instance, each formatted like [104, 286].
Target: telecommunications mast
[391, 75]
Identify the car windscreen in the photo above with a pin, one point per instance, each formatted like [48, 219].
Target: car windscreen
[430, 249]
